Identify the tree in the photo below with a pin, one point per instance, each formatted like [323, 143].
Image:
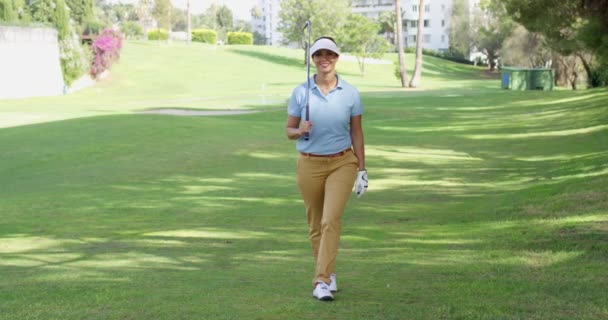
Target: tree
[7, 12]
[80, 10]
[388, 24]
[524, 48]
[460, 35]
[418, 66]
[570, 27]
[188, 22]
[259, 38]
[492, 27]
[162, 13]
[144, 12]
[402, 70]
[217, 18]
[325, 16]
[21, 10]
[359, 36]
[225, 19]
[256, 12]
[179, 19]
[242, 26]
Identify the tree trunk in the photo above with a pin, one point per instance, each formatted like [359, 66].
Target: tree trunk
[574, 80]
[361, 62]
[492, 59]
[419, 37]
[402, 71]
[588, 70]
[189, 17]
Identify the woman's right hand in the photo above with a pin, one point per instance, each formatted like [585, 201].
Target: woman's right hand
[305, 127]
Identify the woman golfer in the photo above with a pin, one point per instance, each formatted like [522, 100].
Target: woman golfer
[331, 159]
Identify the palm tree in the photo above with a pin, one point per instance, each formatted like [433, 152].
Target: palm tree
[418, 67]
[402, 71]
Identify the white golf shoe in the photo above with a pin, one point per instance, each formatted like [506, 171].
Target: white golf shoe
[333, 286]
[322, 292]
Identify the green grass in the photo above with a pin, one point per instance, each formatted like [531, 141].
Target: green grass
[483, 203]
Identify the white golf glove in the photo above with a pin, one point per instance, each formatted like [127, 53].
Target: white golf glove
[361, 183]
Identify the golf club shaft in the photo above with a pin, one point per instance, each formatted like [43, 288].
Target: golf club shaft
[307, 26]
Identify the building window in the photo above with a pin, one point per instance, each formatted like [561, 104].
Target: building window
[442, 38]
[427, 8]
[443, 7]
[443, 23]
[412, 39]
[415, 8]
[413, 24]
[427, 23]
[427, 38]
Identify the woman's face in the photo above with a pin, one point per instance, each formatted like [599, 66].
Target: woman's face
[325, 60]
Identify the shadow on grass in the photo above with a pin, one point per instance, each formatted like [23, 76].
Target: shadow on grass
[272, 58]
[282, 60]
[158, 215]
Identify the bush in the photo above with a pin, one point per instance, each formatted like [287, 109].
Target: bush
[132, 30]
[73, 58]
[20, 7]
[240, 38]
[106, 51]
[93, 27]
[204, 36]
[599, 76]
[158, 34]
[7, 12]
[71, 53]
[43, 11]
[81, 11]
[62, 20]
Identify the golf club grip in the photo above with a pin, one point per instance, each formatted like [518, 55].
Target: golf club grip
[306, 135]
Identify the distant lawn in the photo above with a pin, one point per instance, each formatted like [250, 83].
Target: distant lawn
[152, 75]
[483, 203]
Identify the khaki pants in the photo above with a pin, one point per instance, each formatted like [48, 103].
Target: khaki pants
[325, 184]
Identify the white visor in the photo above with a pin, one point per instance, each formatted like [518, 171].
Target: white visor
[324, 44]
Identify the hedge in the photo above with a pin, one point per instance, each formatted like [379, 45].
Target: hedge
[204, 36]
[158, 34]
[240, 38]
[132, 30]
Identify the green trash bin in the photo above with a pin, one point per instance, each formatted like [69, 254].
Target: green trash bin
[514, 78]
[541, 79]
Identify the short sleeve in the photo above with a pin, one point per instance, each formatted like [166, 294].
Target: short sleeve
[357, 109]
[294, 108]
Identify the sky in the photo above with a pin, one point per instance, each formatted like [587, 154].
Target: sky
[241, 9]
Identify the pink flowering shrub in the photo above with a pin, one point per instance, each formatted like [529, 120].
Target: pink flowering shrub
[106, 50]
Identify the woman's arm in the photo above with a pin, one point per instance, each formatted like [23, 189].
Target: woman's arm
[296, 128]
[356, 135]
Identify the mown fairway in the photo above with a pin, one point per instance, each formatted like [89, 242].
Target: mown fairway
[483, 203]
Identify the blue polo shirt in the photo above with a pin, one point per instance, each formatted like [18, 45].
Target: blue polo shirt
[330, 116]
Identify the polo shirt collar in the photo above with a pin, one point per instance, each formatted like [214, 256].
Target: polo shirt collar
[338, 85]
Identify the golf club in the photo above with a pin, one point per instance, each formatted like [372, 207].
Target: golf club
[307, 26]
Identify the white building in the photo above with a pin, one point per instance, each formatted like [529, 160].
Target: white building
[437, 15]
[268, 23]
[436, 30]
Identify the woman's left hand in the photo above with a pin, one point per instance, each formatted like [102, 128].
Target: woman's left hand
[361, 183]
